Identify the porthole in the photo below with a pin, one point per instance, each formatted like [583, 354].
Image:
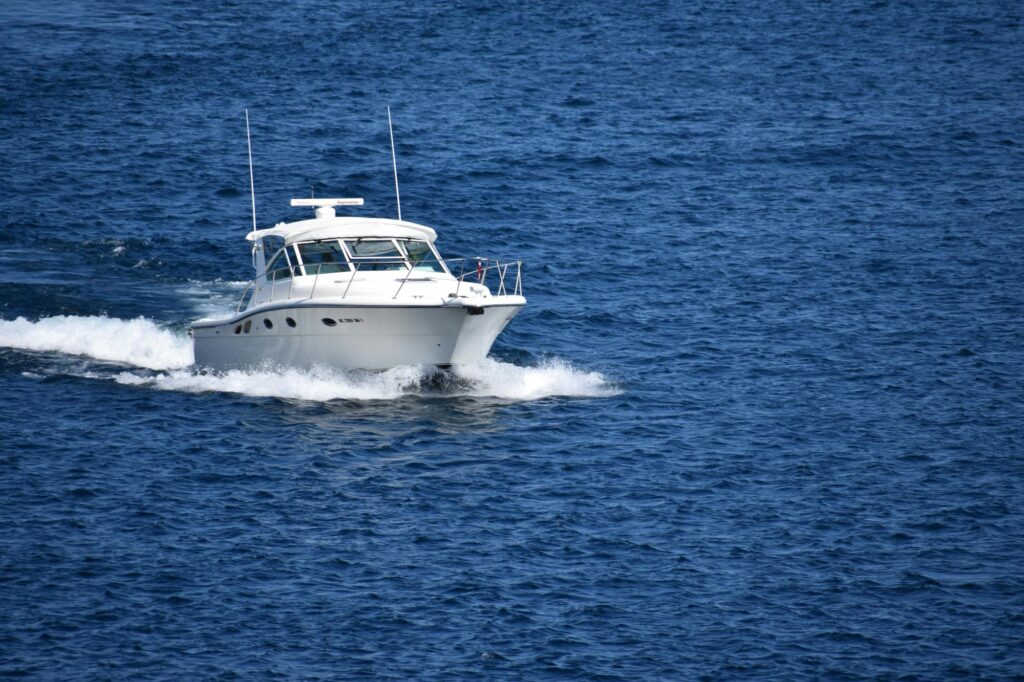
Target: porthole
[290, 321]
[329, 322]
[267, 323]
[247, 327]
[238, 329]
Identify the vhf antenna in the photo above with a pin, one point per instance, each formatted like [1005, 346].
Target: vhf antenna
[252, 185]
[394, 166]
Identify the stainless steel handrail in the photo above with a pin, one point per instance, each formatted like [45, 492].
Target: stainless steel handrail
[350, 280]
[481, 274]
[482, 269]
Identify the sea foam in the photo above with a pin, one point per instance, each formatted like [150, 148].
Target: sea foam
[144, 344]
[139, 342]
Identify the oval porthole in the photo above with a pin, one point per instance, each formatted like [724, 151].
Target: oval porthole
[247, 327]
[238, 329]
[329, 322]
[267, 323]
[290, 321]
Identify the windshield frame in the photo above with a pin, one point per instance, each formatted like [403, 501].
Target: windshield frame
[397, 258]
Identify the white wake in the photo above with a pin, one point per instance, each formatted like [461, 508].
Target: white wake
[214, 300]
[315, 385]
[139, 342]
[144, 344]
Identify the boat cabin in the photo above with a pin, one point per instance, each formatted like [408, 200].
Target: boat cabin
[348, 256]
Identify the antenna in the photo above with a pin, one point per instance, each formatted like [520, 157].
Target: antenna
[394, 165]
[252, 185]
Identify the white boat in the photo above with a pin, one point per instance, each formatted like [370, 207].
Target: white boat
[360, 293]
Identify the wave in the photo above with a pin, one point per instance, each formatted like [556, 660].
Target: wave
[214, 300]
[490, 379]
[144, 344]
[139, 342]
[295, 384]
[553, 377]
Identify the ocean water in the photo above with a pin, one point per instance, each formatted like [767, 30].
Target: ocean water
[762, 418]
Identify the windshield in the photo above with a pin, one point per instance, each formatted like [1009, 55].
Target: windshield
[375, 254]
[332, 255]
[323, 257]
[421, 256]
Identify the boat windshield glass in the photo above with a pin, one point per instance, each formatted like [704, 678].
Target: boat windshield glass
[421, 256]
[323, 257]
[279, 268]
[375, 254]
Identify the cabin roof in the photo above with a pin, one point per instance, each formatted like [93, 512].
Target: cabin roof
[346, 227]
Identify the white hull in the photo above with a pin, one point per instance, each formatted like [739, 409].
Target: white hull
[365, 335]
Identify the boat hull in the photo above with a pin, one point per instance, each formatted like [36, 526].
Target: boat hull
[345, 336]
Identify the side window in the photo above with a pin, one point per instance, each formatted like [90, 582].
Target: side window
[271, 245]
[323, 257]
[421, 256]
[279, 267]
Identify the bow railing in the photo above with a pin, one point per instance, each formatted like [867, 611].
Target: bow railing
[506, 275]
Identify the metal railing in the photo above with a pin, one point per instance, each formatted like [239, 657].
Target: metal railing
[482, 269]
[508, 276]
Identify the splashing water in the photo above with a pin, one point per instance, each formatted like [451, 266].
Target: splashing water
[551, 378]
[143, 343]
[295, 384]
[139, 342]
[213, 300]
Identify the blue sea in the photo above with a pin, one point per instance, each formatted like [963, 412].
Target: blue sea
[762, 417]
